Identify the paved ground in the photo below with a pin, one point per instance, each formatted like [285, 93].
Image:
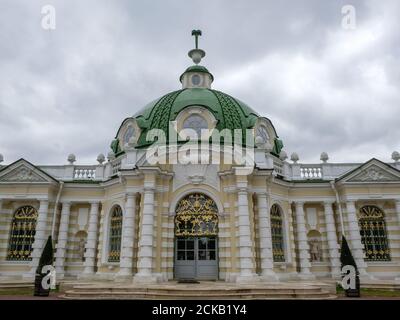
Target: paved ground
[26, 297]
[55, 296]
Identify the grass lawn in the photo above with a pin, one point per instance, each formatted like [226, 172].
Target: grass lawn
[22, 291]
[372, 293]
[16, 292]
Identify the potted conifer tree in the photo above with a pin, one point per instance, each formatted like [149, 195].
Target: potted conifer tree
[46, 259]
[346, 258]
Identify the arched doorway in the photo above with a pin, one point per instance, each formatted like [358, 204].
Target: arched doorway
[196, 238]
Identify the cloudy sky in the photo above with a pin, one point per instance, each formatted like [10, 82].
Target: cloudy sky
[325, 87]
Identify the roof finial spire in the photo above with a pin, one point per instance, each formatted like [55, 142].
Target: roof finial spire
[196, 34]
[196, 54]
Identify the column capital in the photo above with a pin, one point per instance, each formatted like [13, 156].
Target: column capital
[328, 203]
[262, 194]
[66, 202]
[95, 202]
[149, 188]
[131, 194]
[351, 204]
[397, 201]
[299, 203]
[43, 201]
[242, 189]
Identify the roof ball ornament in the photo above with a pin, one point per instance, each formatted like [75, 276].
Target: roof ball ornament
[283, 155]
[101, 158]
[71, 158]
[396, 156]
[196, 54]
[110, 156]
[324, 157]
[294, 157]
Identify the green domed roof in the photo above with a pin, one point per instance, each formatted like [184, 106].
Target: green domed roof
[229, 112]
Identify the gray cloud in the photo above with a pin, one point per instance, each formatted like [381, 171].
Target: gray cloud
[324, 88]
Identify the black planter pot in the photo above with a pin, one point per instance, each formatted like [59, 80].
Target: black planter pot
[39, 290]
[355, 293]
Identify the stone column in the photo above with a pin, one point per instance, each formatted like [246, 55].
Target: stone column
[1, 211]
[264, 222]
[40, 236]
[91, 242]
[128, 237]
[304, 249]
[145, 255]
[333, 245]
[62, 240]
[354, 238]
[397, 203]
[246, 257]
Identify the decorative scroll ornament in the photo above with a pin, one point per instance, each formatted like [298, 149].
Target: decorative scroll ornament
[196, 215]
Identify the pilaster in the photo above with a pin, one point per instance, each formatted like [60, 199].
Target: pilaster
[62, 240]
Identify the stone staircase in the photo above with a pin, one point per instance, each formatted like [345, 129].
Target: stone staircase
[203, 290]
[16, 284]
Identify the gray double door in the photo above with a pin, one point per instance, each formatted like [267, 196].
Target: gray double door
[196, 258]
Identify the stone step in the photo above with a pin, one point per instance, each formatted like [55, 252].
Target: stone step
[15, 284]
[205, 291]
[184, 296]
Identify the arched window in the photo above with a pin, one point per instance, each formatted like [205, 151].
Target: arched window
[22, 234]
[114, 251]
[195, 122]
[278, 249]
[373, 234]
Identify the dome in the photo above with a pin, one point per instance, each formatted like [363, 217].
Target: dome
[230, 113]
[214, 109]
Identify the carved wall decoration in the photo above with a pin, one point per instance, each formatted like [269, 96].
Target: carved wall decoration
[195, 174]
[23, 174]
[374, 173]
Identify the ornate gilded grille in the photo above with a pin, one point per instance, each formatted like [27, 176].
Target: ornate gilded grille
[196, 215]
[115, 235]
[22, 234]
[278, 250]
[373, 234]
